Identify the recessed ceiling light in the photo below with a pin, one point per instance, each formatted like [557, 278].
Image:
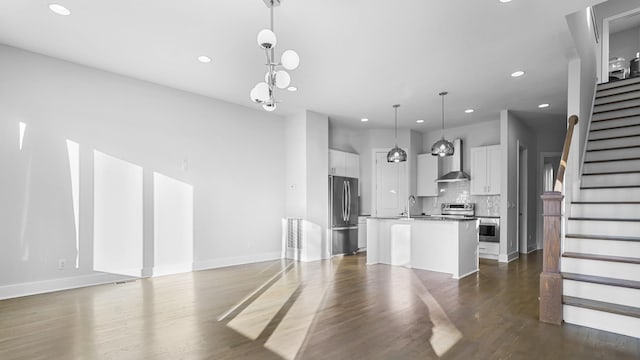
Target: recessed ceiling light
[469, 111]
[517, 73]
[364, 119]
[204, 59]
[420, 121]
[59, 9]
[542, 106]
[505, 1]
[292, 88]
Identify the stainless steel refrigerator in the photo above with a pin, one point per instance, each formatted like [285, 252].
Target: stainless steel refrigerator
[343, 194]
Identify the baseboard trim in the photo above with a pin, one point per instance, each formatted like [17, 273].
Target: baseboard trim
[506, 258]
[172, 269]
[46, 286]
[237, 260]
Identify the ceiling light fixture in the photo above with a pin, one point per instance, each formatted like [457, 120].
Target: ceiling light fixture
[542, 106]
[364, 119]
[396, 154]
[517, 73]
[505, 1]
[469, 111]
[292, 88]
[442, 147]
[204, 59]
[59, 9]
[264, 92]
[420, 121]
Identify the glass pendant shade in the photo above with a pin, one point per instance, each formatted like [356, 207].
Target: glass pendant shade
[396, 155]
[267, 39]
[442, 147]
[282, 79]
[290, 60]
[260, 92]
[269, 107]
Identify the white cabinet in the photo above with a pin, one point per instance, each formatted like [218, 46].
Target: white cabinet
[488, 250]
[344, 164]
[427, 175]
[485, 170]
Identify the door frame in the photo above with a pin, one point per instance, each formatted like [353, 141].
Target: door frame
[522, 197]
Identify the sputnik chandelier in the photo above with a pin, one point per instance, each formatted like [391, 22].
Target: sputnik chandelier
[264, 92]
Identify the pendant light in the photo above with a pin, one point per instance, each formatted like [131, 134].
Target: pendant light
[442, 147]
[396, 154]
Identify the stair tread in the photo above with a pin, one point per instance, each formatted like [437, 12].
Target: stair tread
[602, 280]
[611, 187]
[616, 137]
[602, 306]
[618, 159]
[616, 109]
[613, 127]
[586, 218]
[616, 148]
[620, 259]
[607, 202]
[603, 237]
[612, 172]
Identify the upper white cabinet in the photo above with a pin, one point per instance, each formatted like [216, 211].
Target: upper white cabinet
[344, 164]
[427, 175]
[485, 170]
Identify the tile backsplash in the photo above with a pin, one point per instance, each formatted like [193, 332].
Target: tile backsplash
[458, 193]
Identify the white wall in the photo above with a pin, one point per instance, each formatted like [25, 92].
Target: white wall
[232, 156]
[513, 130]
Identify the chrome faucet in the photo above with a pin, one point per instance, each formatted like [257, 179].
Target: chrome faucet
[410, 201]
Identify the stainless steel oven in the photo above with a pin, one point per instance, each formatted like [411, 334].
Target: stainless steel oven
[489, 229]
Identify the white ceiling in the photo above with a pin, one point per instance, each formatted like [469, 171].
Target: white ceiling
[358, 57]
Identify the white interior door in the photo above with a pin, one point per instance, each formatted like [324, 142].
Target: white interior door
[391, 186]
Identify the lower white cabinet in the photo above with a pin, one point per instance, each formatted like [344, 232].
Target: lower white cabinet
[427, 175]
[488, 250]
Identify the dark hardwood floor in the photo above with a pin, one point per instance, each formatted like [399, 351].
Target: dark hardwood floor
[334, 309]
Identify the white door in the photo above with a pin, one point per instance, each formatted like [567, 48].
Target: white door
[391, 186]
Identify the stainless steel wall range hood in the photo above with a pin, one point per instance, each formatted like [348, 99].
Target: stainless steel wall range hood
[456, 173]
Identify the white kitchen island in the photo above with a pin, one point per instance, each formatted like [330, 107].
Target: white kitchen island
[443, 245]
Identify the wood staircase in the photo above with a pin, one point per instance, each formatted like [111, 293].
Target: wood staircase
[600, 260]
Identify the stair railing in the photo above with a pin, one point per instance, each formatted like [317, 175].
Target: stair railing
[550, 278]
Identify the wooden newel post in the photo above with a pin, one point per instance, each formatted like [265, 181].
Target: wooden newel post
[550, 278]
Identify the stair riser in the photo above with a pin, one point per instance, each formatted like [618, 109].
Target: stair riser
[626, 165]
[608, 269]
[632, 179]
[617, 97]
[613, 154]
[626, 131]
[614, 323]
[618, 105]
[610, 228]
[603, 124]
[619, 90]
[607, 293]
[603, 247]
[616, 114]
[624, 84]
[607, 144]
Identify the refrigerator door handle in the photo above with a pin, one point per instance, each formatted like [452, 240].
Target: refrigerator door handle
[344, 201]
[348, 201]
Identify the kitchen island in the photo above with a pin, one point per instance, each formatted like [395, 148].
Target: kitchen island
[428, 243]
